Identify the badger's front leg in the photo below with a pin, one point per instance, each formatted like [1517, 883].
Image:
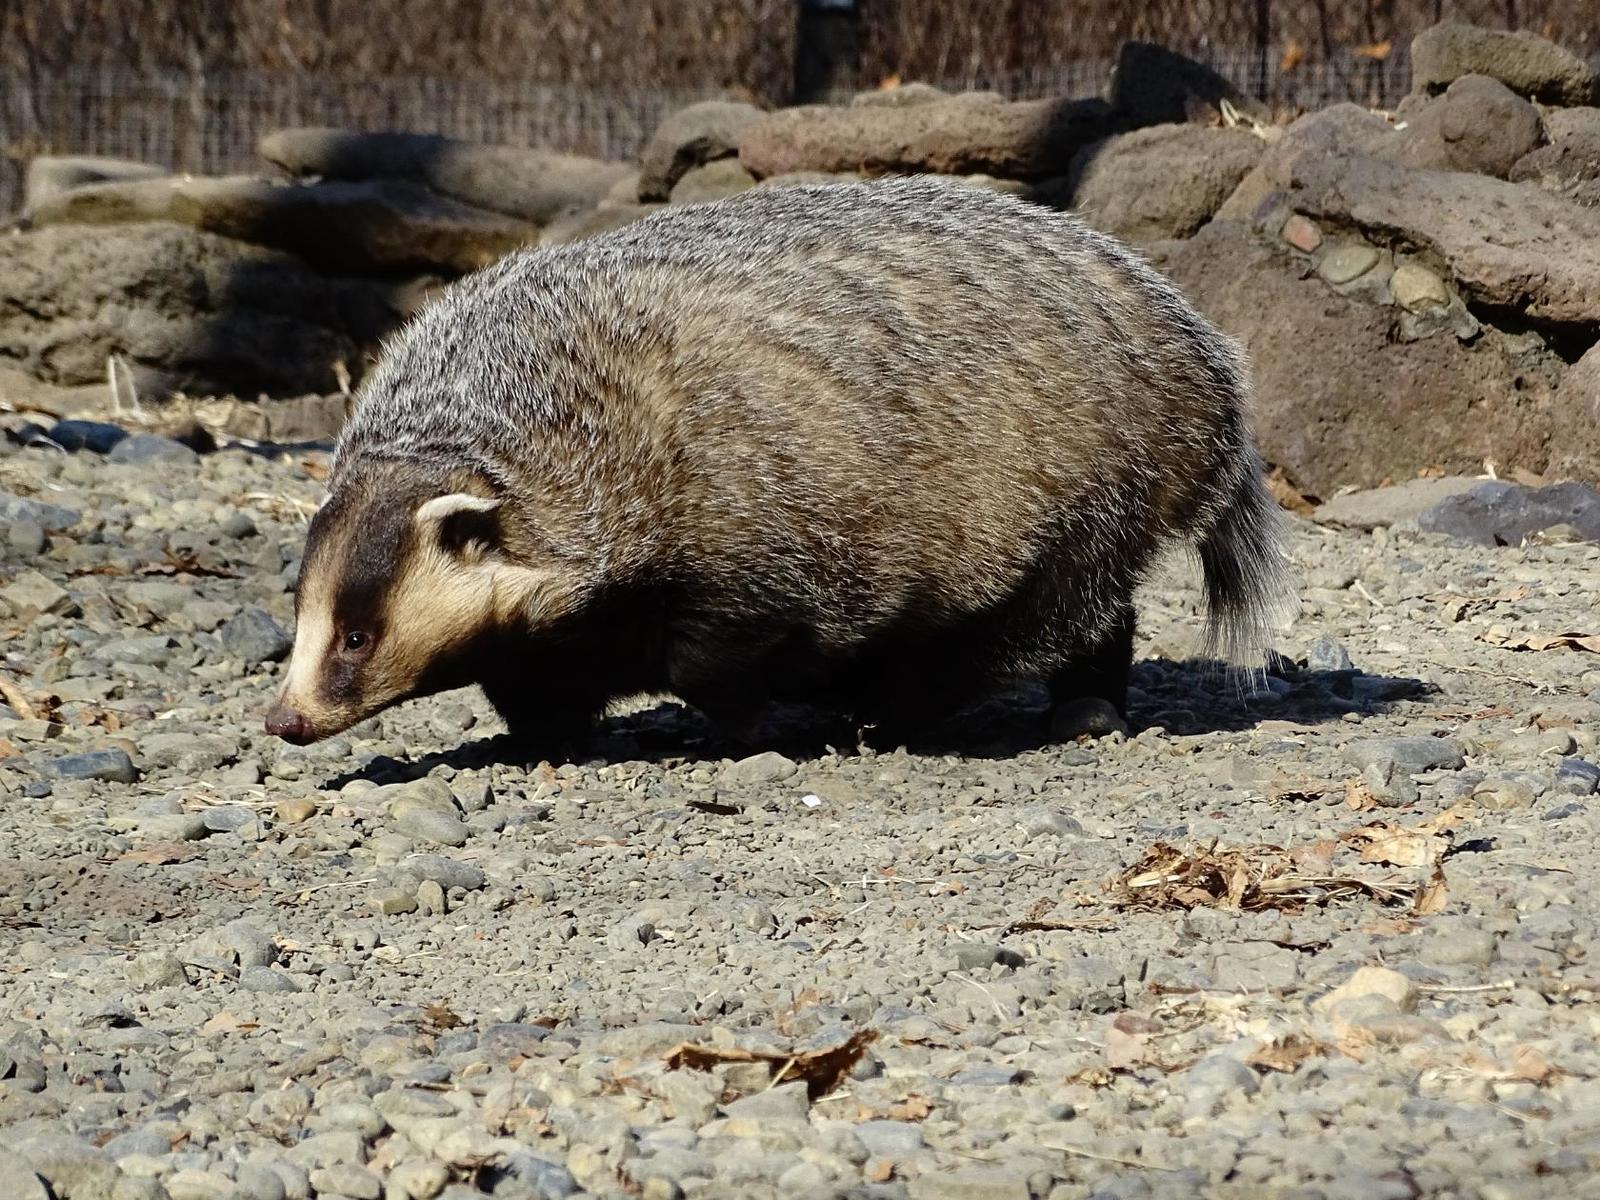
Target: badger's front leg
[722, 677]
[554, 727]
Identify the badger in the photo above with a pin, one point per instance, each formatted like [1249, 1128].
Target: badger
[881, 447]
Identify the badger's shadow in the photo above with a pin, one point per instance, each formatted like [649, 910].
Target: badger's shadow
[1183, 697]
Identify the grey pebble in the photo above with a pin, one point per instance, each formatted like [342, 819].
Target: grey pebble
[767, 767]
[430, 898]
[787, 1102]
[346, 1179]
[265, 979]
[250, 945]
[228, 818]
[549, 1180]
[987, 1075]
[1577, 777]
[393, 901]
[52, 518]
[975, 956]
[253, 1182]
[111, 765]
[252, 636]
[27, 539]
[1328, 654]
[430, 825]
[1212, 1081]
[890, 1139]
[239, 525]
[1039, 821]
[1408, 755]
[151, 449]
[17, 1182]
[630, 934]
[153, 970]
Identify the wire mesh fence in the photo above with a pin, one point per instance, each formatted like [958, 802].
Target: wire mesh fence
[211, 123]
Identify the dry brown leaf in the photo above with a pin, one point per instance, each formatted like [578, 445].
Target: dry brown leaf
[915, 1107]
[1358, 796]
[1125, 1048]
[880, 1170]
[889, 82]
[1094, 1077]
[9, 750]
[1396, 846]
[439, 1015]
[822, 1070]
[1459, 608]
[1286, 1053]
[227, 1022]
[1433, 899]
[1529, 1065]
[1377, 51]
[1283, 792]
[1287, 495]
[158, 854]
[1499, 636]
[1356, 1041]
[1293, 55]
[1316, 858]
[1246, 878]
[1457, 814]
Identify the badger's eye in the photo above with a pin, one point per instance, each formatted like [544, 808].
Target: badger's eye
[356, 640]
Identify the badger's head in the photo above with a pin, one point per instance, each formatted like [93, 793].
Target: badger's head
[404, 583]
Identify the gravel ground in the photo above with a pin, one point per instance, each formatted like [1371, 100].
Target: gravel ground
[405, 963]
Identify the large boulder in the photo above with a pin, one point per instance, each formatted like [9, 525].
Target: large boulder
[689, 138]
[1497, 513]
[1568, 166]
[1525, 62]
[51, 175]
[1336, 132]
[1342, 400]
[383, 226]
[596, 221]
[535, 185]
[1580, 397]
[1161, 182]
[903, 95]
[964, 135]
[183, 309]
[1563, 123]
[712, 181]
[1152, 85]
[1506, 246]
[1477, 125]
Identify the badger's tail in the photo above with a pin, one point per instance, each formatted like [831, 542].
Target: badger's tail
[1249, 587]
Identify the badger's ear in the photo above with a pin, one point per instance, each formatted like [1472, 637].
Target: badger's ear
[460, 523]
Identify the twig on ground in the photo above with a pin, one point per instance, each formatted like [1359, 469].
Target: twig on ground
[17, 698]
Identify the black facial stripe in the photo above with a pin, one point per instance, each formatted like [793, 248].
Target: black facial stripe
[339, 677]
[377, 542]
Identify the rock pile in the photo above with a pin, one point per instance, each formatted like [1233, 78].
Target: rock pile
[1420, 291]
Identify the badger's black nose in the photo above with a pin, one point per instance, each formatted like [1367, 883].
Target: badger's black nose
[284, 722]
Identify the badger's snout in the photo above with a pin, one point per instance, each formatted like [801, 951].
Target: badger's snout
[284, 722]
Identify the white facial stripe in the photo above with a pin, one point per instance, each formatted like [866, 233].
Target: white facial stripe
[312, 637]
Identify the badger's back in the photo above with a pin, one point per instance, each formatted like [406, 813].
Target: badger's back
[867, 400]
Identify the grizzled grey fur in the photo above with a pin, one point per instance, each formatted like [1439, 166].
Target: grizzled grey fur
[881, 445]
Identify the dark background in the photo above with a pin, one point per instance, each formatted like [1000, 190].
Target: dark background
[696, 44]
